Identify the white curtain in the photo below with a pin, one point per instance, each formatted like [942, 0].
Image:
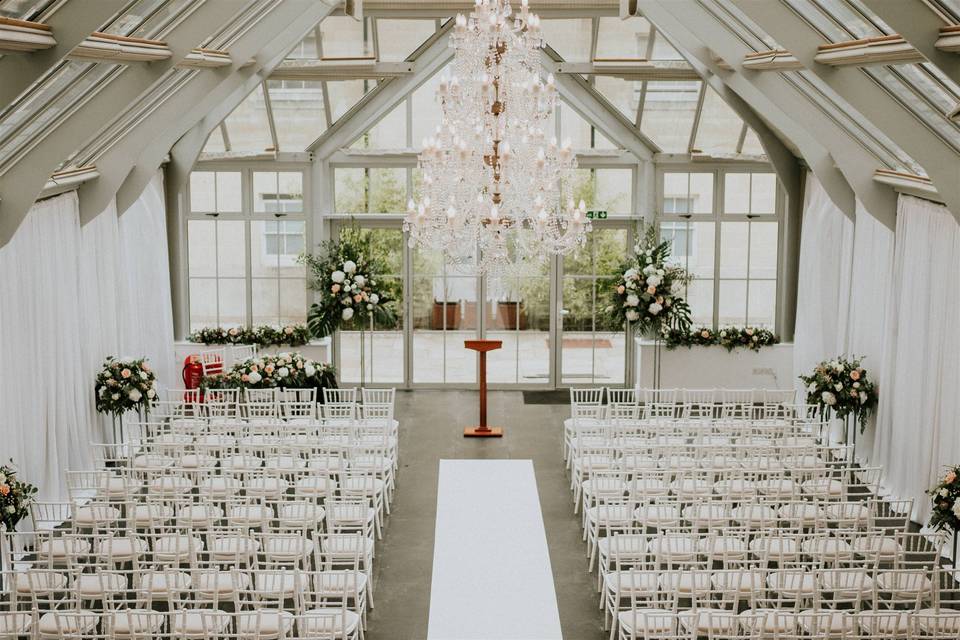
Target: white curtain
[69, 297]
[917, 430]
[826, 249]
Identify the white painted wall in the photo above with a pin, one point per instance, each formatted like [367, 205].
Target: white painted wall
[715, 368]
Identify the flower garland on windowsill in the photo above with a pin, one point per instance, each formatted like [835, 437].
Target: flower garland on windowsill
[295, 335]
[730, 338]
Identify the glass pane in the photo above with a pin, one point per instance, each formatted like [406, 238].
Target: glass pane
[763, 250]
[264, 191]
[733, 302]
[615, 190]
[203, 303]
[623, 39]
[344, 37]
[668, 112]
[233, 302]
[763, 301]
[718, 130]
[736, 193]
[202, 247]
[752, 146]
[343, 94]
[229, 193]
[574, 128]
[763, 193]
[248, 127]
[266, 301]
[700, 299]
[577, 322]
[570, 38]
[203, 194]
[389, 133]
[663, 51]
[733, 249]
[609, 349]
[214, 142]
[388, 190]
[701, 192]
[397, 39]
[702, 248]
[231, 248]
[298, 112]
[349, 190]
[426, 109]
[623, 94]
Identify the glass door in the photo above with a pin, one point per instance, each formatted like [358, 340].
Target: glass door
[592, 341]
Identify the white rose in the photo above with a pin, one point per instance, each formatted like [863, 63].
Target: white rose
[11, 509]
[838, 387]
[143, 375]
[629, 273]
[633, 315]
[283, 372]
[653, 281]
[374, 298]
[863, 398]
[632, 300]
[349, 266]
[115, 396]
[359, 280]
[337, 276]
[309, 370]
[654, 309]
[3, 478]
[151, 393]
[649, 269]
[944, 493]
[254, 377]
[956, 508]
[135, 395]
[100, 392]
[812, 387]
[838, 367]
[856, 385]
[828, 398]
[347, 313]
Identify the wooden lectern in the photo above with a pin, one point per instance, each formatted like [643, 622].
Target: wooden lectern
[483, 431]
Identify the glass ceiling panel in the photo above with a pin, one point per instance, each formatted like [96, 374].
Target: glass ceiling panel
[663, 50]
[623, 39]
[306, 49]
[668, 112]
[397, 39]
[851, 20]
[343, 94]
[950, 9]
[247, 127]
[582, 135]
[426, 109]
[147, 18]
[215, 142]
[719, 127]
[623, 94]
[344, 37]
[23, 9]
[298, 112]
[569, 37]
[751, 144]
[915, 101]
[388, 134]
[228, 34]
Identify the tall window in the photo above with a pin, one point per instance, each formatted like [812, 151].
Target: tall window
[724, 226]
[245, 232]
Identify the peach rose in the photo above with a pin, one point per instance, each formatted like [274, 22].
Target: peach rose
[335, 288]
[4, 489]
[357, 298]
[245, 378]
[651, 290]
[254, 367]
[145, 366]
[268, 369]
[950, 477]
[125, 373]
[855, 374]
[621, 289]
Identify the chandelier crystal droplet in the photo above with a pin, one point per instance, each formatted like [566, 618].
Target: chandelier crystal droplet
[495, 179]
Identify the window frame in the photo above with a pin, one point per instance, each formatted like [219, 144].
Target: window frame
[248, 216]
[719, 216]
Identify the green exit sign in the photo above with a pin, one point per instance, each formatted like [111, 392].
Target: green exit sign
[597, 215]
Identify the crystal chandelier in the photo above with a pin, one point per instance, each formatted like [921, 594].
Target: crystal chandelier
[495, 179]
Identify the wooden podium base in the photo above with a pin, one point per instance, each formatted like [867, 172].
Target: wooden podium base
[483, 432]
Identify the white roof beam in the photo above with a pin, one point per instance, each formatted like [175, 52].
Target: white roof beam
[385, 96]
[586, 101]
[772, 60]
[149, 142]
[938, 159]
[71, 23]
[841, 164]
[632, 69]
[23, 36]
[339, 69]
[22, 183]
[920, 27]
[879, 50]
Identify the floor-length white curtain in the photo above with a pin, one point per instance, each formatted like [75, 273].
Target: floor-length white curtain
[826, 250]
[46, 392]
[917, 428]
[69, 297]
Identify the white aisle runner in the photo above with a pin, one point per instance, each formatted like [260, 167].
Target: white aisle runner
[491, 569]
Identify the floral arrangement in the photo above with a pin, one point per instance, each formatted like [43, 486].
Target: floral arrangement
[295, 335]
[284, 370]
[945, 498]
[15, 497]
[647, 288]
[125, 385]
[841, 386]
[753, 338]
[344, 276]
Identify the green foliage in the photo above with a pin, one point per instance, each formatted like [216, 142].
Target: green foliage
[125, 385]
[292, 335]
[280, 371]
[945, 508]
[730, 338]
[841, 386]
[345, 274]
[15, 497]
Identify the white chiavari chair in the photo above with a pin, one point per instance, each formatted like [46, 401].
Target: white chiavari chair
[298, 404]
[340, 396]
[221, 403]
[258, 405]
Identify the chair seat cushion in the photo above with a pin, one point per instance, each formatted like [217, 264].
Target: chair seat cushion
[707, 621]
[647, 622]
[67, 622]
[265, 624]
[136, 622]
[323, 622]
[198, 623]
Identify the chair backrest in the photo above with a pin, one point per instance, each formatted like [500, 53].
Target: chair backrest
[241, 352]
[339, 395]
[586, 396]
[378, 396]
[621, 396]
[298, 403]
[213, 361]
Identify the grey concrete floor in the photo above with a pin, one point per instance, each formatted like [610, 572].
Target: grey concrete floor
[431, 424]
